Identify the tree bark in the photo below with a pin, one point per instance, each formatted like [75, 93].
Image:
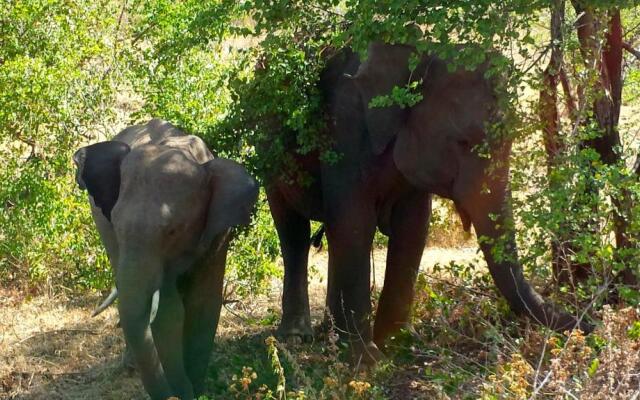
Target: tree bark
[550, 122]
[607, 92]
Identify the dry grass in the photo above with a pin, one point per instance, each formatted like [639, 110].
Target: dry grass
[463, 347]
[50, 348]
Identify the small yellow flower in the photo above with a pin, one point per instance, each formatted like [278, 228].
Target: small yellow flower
[359, 387]
[245, 383]
[270, 341]
[330, 382]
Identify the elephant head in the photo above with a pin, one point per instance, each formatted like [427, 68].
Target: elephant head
[435, 147]
[169, 212]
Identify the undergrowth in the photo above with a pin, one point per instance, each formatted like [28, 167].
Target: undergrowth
[459, 348]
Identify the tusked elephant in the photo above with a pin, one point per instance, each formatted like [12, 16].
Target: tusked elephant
[164, 207]
[392, 160]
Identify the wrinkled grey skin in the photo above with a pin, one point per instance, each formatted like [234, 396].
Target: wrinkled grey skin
[392, 161]
[164, 206]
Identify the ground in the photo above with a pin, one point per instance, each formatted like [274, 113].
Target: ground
[50, 348]
[466, 344]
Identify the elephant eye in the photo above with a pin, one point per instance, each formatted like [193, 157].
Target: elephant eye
[464, 144]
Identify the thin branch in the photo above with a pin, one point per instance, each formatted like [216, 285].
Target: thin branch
[543, 52]
[627, 46]
[568, 94]
[337, 14]
[46, 373]
[632, 30]
[140, 35]
[116, 40]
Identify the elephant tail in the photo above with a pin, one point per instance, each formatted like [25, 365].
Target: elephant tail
[316, 238]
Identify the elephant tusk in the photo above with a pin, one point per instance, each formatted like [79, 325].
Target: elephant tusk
[106, 303]
[154, 305]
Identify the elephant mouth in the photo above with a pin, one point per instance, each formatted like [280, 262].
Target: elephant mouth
[425, 177]
[445, 190]
[465, 218]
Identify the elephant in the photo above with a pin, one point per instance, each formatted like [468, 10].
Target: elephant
[392, 160]
[164, 208]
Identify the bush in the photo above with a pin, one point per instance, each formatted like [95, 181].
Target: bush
[47, 235]
[68, 73]
[251, 262]
[57, 74]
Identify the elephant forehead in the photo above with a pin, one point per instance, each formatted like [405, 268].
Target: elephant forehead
[175, 163]
[155, 178]
[190, 144]
[155, 162]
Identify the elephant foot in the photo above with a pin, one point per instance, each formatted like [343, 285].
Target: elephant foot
[295, 330]
[561, 321]
[128, 362]
[365, 355]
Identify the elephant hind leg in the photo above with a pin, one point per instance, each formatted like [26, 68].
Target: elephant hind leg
[409, 227]
[294, 232]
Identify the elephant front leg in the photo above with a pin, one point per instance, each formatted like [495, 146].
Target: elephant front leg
[202, 293]
[167, 331]
[409, 227]
[350, 234]
[294, 233]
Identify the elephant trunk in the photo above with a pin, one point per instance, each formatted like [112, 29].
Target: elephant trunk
[136, 290]
[493, 221]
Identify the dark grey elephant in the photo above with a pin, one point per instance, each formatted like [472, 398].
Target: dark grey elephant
[164, 207]
[392, 160]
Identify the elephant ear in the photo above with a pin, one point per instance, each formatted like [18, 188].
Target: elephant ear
[386, 67]
[98, 171]
[233, 194]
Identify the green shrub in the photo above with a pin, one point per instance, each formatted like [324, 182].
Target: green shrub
[57, 74]
[251, 261]
[48, 237]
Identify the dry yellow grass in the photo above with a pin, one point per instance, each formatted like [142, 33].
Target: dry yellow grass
[50, 348]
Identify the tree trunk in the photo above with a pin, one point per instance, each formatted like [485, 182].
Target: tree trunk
[606, 110]
[622, 203]
[550, 121]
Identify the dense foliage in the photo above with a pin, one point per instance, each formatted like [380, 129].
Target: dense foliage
[243, 74]
[58, 80]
